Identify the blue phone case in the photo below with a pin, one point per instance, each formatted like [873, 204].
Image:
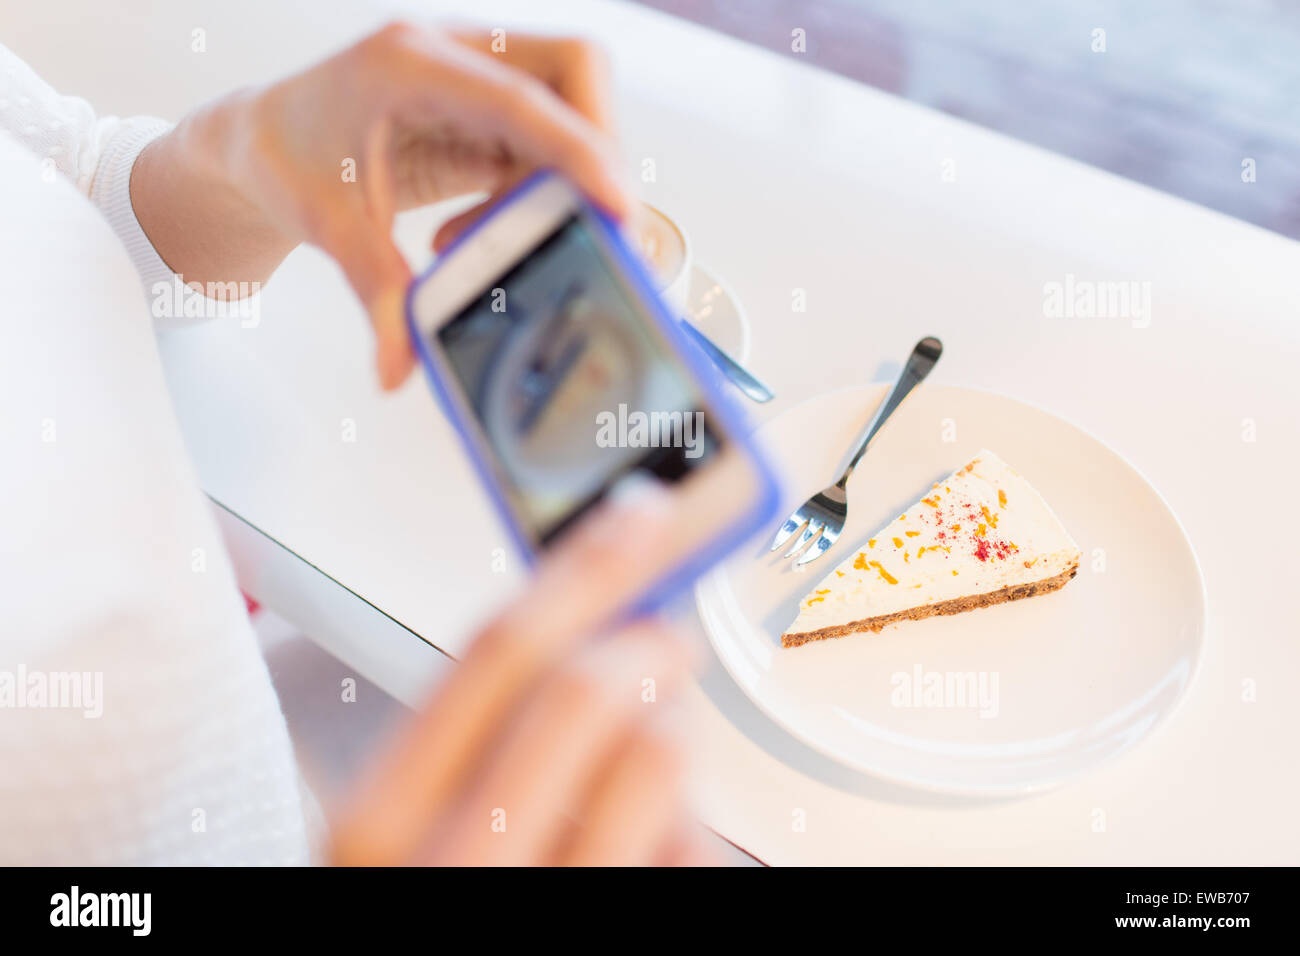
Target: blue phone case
[668, 586]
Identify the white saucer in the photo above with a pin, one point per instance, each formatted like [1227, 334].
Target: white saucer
[1082, 674]
[714, 309]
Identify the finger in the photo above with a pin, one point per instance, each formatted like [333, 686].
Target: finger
[633, 807]
[589, 575]
[691, 845]
[556, 748]
[448, 80]
[593, 571]
[575, 69]
[379, 275]
[359, 237]
[454, 228]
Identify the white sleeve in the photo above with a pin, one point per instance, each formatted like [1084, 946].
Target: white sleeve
[97, 154]
[138, 723]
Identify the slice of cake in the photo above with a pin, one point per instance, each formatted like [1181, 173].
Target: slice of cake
[982, 536]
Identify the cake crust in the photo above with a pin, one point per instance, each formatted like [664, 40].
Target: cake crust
[955, 606]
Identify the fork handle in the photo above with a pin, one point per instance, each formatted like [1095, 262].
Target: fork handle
[918, 366]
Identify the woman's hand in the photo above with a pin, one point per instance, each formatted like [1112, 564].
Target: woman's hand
[545, 746]
[406, 117]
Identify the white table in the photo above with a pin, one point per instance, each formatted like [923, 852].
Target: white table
[786, 177]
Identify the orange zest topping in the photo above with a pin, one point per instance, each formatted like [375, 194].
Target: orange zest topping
[1002, 498]
[889, 578]
[812, 601]
[980, 531]
[840, 573]
[871, 542]
[911, 534]
[860, 562]
[930, 502]
[954, 573]
[898, 542]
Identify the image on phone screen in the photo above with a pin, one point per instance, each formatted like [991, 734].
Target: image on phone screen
[572, 384]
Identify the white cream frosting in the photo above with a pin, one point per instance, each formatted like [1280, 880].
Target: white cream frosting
[981, 529]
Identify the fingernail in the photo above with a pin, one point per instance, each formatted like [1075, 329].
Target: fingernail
[394, 361]
[387, 366]
[641, 493]
[634, 516]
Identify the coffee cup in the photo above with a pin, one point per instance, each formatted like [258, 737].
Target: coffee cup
[667, 254]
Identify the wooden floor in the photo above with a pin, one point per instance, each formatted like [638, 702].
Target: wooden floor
[1186, 95]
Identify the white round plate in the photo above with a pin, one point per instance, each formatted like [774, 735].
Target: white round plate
[714, 309]
[1000, 700]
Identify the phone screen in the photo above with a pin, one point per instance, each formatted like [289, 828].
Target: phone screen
[572, 384]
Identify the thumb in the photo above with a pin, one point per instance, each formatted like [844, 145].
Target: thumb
[379, 275]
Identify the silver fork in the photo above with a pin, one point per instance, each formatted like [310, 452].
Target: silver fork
[823, 515]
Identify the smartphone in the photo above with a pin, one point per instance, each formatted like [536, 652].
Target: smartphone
[565, 374]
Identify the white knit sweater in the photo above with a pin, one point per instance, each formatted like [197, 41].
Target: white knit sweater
[138, 724]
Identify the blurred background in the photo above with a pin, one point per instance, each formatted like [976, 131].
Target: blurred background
[1181, 95]
[1184, 92]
